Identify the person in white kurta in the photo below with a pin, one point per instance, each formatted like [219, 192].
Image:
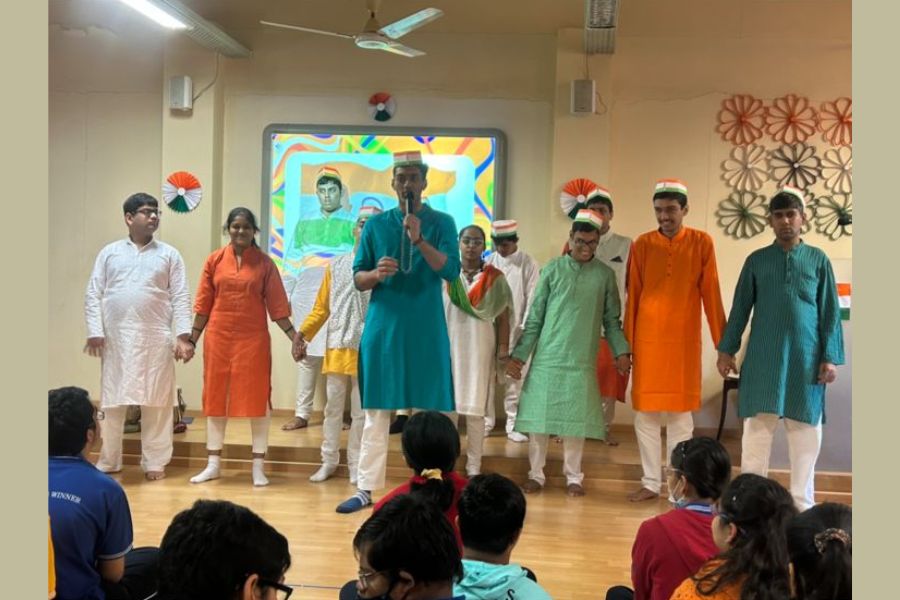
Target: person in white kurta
[137, 296]
[302, 291]
[474, 304]
[521, 272]
[612, 251]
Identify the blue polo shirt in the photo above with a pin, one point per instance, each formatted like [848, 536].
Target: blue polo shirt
[89, 520]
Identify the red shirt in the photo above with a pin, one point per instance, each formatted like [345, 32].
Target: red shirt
[459, 482]
[667, 550]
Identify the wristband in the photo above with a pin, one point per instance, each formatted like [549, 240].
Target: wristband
[419, 241]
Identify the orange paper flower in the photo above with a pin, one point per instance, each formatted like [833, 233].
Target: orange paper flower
[791, 119]
[741, 119]
[836, 121]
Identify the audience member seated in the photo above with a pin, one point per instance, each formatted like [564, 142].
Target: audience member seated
[91, 522]
[820, 547]
[673, 546]
[223, 551]
[406, 551]
[751, 531]
[430, 445]
[491, 516]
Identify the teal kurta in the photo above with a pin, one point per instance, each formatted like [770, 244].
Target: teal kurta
[796, 326]
[573, 305]
[404, 353]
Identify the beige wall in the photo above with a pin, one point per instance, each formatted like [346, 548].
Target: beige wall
[111, 133]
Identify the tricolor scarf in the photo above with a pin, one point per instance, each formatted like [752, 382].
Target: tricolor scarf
[486, 299]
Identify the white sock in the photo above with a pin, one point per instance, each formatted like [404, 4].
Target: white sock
[259, 478]
[210, 472]
[324, 472]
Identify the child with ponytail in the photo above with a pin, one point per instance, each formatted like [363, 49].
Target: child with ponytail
[819, 544]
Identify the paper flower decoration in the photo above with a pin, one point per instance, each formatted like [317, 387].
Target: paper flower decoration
[796, 165]
[837, 170]
[791, 119]
[742, 215]
[836, 121]
[182, 192]
[834, 216]
[574, 195]
[746, 170]
[741, 119]
[382, 106]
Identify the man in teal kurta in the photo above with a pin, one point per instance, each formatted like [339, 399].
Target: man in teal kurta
[404, 353]
[576, 301]
[795, 343]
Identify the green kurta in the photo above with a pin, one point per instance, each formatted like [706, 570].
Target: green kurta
[573, 305]
[796, 326]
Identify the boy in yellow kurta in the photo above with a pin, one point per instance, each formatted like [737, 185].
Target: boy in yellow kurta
[671, 270]
[343, 307]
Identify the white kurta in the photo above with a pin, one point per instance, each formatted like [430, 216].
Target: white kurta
[521, 272]
[302, 291]
[612, 251]
[473, 344]
[134, 300]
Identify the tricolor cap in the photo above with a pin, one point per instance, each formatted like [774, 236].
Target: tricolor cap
[670, 186]
[367, 211]
[599, 192]
[795, 192]
[504, 229]
[327, 171]
[409, 158]
[590, 217]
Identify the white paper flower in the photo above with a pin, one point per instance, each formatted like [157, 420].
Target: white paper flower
[746, 170]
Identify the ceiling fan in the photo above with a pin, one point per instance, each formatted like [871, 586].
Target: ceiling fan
[376, 37]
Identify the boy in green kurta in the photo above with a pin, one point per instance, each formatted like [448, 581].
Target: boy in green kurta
[576, 301]
[795, 343]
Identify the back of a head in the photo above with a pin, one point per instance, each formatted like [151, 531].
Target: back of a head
[430, 441]
[491, 513]
[760, 510]
[71, 416]
[820, 546]
[210, 549]
[411, 534]
[705, 464]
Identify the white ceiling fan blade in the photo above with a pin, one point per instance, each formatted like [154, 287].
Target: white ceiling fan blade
[398, 48]
[306, 29]
[398, 29]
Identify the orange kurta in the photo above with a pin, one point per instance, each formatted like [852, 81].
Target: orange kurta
[237, 353]
[667, 280]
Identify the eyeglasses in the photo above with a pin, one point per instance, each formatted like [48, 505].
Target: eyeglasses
[467, 241]
[282, 592]
[365, 578]
[579, 243]
[672, 472]
[149, 212]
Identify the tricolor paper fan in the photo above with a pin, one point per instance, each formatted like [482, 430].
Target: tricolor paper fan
[575, 194]
[182, 192]
[382, 106]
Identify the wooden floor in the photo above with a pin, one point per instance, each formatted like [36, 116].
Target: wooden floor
[577, 546]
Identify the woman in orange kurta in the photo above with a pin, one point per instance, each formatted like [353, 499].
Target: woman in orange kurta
[238, 286]
[670, 272]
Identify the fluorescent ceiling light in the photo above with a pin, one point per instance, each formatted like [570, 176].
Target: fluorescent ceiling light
[151, 11]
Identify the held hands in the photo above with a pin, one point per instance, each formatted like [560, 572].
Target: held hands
[184, 350]
[386, 267]
[623, 364]
[514, 368]
[413, 227]
[94, 346]
[726, 364]
[298, 348]
[827, 372]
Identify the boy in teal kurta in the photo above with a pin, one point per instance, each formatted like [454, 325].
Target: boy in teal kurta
[795, 343]
[576, 301]
[404, 353]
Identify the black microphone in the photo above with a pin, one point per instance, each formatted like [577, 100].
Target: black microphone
[409, 199]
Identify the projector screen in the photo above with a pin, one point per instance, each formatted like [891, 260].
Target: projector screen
[465, 179]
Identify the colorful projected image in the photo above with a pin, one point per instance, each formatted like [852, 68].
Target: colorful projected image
[318, 182]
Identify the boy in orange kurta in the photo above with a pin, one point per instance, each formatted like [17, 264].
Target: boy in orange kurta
[670, 271]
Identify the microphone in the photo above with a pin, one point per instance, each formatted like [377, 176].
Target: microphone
[405, 243]
[409, 199]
